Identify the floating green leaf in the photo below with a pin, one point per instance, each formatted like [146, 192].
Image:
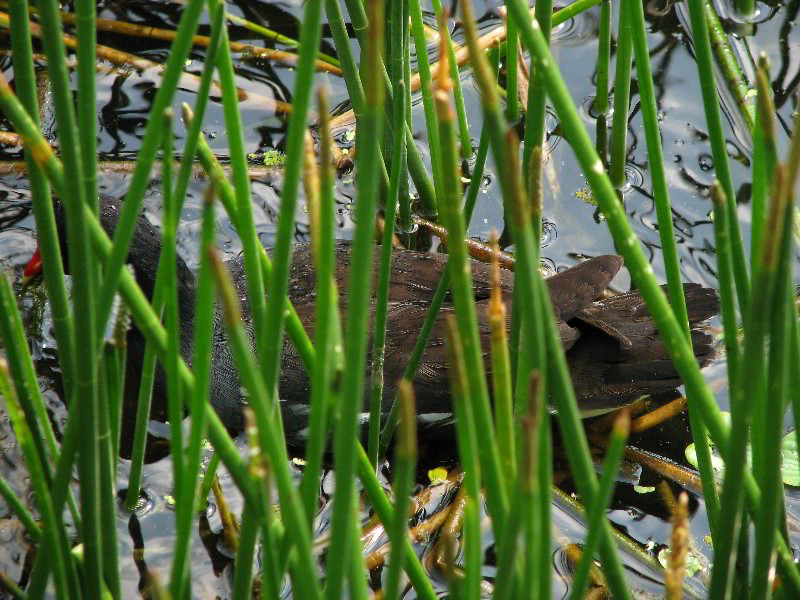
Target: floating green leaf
[790, 461]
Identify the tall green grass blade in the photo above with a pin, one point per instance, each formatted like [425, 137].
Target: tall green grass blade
[755, 328]
[669, 248]
[467, 438]
[534, 115]
[17, 507]
[226, 192]
[778, 376]
[382, 302]
[416, 167]
[441, 289]
[357, 573]
[465, 141]
[272, 330]
[243, 573]
[405, 462]
[599, 505]
[204, 318]
[86, 30]
[603, 58]
[327, 329]
[107, 484]
[277, 37]
[304, 578]
[357, 305]
[622, 93]
[719, 152]
[52, 263]
[464, 302]
[82, 269]
[383, 508]
[53, 527]
[146, 154]
[426, 85]
[501, 373]
[174, 400]
[512, 86]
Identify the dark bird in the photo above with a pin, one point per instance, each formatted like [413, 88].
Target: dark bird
[614, 352]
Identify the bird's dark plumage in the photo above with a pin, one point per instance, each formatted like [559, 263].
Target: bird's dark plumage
[614, 352]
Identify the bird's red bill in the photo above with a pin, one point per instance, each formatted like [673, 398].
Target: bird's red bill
[34, 266]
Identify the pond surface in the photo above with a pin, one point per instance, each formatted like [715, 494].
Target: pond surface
[574, 230]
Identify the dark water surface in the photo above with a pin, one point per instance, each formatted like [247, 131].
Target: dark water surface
[574, 230]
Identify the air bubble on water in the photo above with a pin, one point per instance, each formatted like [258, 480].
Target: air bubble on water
[597, 167]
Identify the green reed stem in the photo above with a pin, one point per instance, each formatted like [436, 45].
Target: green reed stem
[169, 251]
[534, 116]
[279, 280]
[209, 475]
[244, 205]
[173, 70]
[501, 378]
[755, 329]
[416, 168]
[669, 248]
[534, 137]
[572, 10]
[638, 265]
[426, 87]
[352, 76]
[277, 37]
[726, 285]
[507, 578]
[603, 58]
[464, 301]
[382, 301]
[458, 95]
[248, 536]
[766, 116]
[356, 572]
[49, 248]
[29, 396]
[719, 151]
[270, 436]
[357, 304]
[17, 507]
[115, 357]
[622, 94]
[148, 323]
[327, 328]
[405, 463]
[82, 269]
[767, 136]
[107, 482]
[471, 589]
[441, 289]
[655, 153]
[86, 32]
[511, 70]
[204, 319]
[63, 569]
[779, 369]
[149, 361]
[383, 508]
[294, 326]
[467, 439]
[536, 534]
[728, 64]
[597, 509]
